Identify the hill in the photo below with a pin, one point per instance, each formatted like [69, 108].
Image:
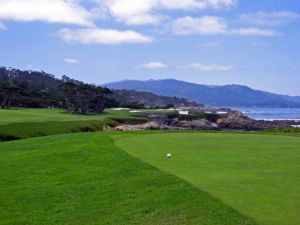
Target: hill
[38, 89]
[228, 95]
[149, 99]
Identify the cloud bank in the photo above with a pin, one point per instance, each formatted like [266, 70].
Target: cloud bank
[141, 12]
[262, 18]
[153, 65]
[212, 25]
[50, 11]
[71, 61]
[208, 67]
[102, 36]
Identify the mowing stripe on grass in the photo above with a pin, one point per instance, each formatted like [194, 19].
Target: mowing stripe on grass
[86, 179]
[256, 174]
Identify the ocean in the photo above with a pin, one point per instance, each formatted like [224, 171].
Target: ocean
[270, 113]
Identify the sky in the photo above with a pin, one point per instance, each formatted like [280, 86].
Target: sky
[215, 42]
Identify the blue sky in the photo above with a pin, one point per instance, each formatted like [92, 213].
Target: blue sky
[254, 43]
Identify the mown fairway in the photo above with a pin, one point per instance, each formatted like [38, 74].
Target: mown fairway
[258, 175]
[86, 179]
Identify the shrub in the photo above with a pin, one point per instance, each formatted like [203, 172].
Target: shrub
[173, 115]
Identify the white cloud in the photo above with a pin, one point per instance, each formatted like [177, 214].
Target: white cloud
[71, 61]
[197, 4]
[208, 67]
[51, 11]
[153, 65]
[102, 36]
[204, 25]
[143, 19]
[133, 12]
[137, 12]
[262, 18]
[255, 32]
[211, 25]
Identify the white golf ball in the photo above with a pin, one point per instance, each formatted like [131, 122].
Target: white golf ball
[169, 155]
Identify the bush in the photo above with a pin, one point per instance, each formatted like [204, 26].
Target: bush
[173, 115]
[131, 120]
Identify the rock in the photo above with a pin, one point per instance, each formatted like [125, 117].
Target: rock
[233, 120]
[202, 124]
[236, 120]
[154, 125]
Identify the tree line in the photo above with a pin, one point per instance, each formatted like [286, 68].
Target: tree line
[38, 89]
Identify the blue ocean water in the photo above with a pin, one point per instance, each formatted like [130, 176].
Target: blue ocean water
[271, 113]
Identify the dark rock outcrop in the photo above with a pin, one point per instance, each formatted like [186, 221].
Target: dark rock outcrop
[232, 120]
[236, 120]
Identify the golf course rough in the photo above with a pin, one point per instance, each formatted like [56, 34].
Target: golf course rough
[27, 123]
[256, 174]
[24, 115]
[86, 179]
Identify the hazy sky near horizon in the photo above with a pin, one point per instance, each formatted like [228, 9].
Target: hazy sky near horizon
[254, 43]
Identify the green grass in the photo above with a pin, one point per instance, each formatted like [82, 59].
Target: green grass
[256, 174]
[27, 123]
[17, 131]
[290, 131]
[46, 115]
[86, 179]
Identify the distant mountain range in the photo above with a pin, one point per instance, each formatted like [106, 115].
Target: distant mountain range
[225, 96]
[127, 98]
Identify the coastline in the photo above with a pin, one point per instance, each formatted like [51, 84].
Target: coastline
[296, 120]
[271, 114]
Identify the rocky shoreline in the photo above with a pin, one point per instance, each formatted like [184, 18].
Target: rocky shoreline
[231, 120]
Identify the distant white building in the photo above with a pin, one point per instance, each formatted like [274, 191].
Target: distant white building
[119, 109]
[181, 112]
[221, 112]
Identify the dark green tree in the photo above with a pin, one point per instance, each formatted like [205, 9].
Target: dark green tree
[8, 93]
[84, 98]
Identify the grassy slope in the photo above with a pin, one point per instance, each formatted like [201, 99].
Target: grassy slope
[256, 174]
[37, 129]
[46, 115]
[85, 179]
[26, 123]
